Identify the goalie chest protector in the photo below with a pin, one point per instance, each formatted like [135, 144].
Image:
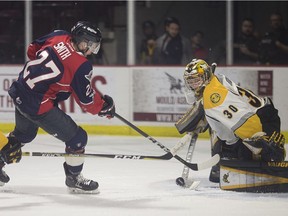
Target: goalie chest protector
[254, 176]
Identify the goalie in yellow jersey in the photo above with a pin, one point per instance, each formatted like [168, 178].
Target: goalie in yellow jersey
[247, 127]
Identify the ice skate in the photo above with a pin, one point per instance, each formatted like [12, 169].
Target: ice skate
[4, 178]
[215, 174]
[79, 184]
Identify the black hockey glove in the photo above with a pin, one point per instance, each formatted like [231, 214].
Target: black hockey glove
[108, 108]
[276, 150]
[270, 148]
[11, 152]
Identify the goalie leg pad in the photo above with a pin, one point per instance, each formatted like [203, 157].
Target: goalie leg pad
[254, 176]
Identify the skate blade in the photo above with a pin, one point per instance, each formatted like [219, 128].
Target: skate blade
[79, 191]
[2, 183]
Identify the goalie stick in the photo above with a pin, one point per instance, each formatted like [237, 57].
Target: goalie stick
[194, 166]
[113, 156]
[182, 181]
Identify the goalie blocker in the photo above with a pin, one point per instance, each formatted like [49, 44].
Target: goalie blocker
[193, 120]
[254, 176]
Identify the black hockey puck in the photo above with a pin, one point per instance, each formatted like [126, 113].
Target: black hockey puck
[180, 181]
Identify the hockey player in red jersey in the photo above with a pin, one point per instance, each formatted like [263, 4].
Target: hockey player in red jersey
[58, 68]
[247, 127]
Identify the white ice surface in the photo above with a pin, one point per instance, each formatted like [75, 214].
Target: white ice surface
[127, 187]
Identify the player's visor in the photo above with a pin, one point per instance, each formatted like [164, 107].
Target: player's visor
[93, 47]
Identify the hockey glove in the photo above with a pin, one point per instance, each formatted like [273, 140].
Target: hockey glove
[269, 148]
[108, 108]
[193, 120]
[11, 152]
[276, 150]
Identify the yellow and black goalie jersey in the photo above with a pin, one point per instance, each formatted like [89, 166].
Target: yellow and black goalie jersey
[231, 110]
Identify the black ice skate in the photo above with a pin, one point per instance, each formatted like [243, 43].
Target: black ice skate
[4, 178]
[79, 184]
[215, 174]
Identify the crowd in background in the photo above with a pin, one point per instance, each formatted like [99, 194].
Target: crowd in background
[249, 47]
[171, 37]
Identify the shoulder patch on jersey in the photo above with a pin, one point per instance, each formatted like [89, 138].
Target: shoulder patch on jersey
[215, 98]
[89, 76]
[214, 94]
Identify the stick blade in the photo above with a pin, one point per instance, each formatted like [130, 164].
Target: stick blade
[209, 163]
[205, 164]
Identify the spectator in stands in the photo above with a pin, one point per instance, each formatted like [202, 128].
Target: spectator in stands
[198, 49]
[172, 48]
[218, 52]
[274, 44]
[246, 46]
[148, 43]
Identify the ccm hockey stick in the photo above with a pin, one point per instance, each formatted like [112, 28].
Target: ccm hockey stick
[194, 166]
[113, 156]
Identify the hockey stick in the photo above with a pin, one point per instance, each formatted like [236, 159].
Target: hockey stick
[114, 156]
[194, 166]
[182, 181]
[182, 142]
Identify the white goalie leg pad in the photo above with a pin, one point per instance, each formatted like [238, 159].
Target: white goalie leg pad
[254, 176]
[181, 143]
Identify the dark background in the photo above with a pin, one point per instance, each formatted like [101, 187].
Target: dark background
[207, 16]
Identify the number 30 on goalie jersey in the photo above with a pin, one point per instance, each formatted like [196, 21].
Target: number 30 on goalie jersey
[231, 109]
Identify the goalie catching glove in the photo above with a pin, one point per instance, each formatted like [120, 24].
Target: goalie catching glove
[10, 151]
[108, 108]
[267, 148]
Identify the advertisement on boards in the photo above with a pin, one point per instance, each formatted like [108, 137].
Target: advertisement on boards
[158, 93]
[112, 81]
[142, 94]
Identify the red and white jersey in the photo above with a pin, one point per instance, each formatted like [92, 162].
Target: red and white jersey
[231, 110]
[55, 71]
